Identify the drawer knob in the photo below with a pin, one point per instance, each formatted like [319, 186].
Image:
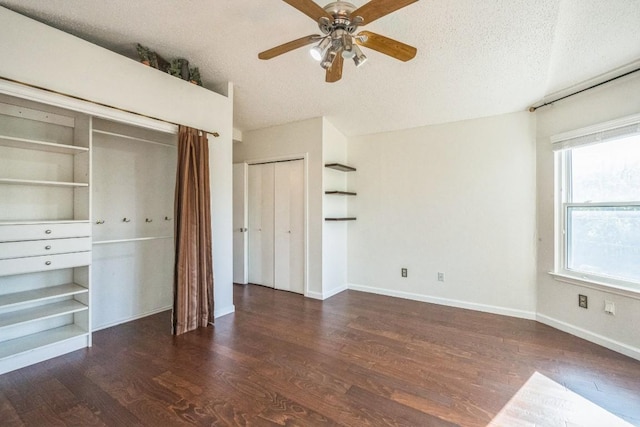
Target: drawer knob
[47, 232]
[47, 263]
[47, 247]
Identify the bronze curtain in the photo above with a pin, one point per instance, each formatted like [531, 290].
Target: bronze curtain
[193, 273]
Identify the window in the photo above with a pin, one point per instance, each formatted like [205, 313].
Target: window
[598, 203]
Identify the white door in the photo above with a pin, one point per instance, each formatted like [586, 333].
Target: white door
[261, 226]
[240, 223]
[289, 226]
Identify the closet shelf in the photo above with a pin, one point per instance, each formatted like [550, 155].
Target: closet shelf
[33, 144]
[11, 181]
[136, 239]
[42, 294]
[42, 312]
[341, 219]
[131, 138]
[32, 342]
[340, 167]
[341, 193]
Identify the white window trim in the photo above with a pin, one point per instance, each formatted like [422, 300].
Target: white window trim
[562, 143]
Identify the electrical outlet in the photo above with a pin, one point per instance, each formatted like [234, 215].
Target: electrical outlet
[440, 277]
[403, 272]
[582, 301]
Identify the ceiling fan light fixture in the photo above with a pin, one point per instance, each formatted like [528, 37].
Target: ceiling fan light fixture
[318, 52]
[359, 58]
[328, 59]
[347, 46]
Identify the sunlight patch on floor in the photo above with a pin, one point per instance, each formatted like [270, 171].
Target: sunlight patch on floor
[543, 402]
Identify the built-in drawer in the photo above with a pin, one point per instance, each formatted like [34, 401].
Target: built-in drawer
[44, 247]
[60, 230]
[43, 263]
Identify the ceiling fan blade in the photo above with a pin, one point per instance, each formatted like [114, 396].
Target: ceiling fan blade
[388, 46]
[334, 73]
[284, 48]
[378, 8]
[309, 8]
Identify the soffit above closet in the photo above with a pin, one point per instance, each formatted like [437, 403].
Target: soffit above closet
[475, 59]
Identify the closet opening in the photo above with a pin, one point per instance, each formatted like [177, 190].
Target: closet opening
[269, 236]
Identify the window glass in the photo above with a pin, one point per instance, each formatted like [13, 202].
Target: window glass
[607, 172]
[604, 241]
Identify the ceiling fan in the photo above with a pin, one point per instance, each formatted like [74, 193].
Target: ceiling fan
[338, 22]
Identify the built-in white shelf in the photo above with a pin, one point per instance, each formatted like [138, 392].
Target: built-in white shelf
[42, 294]
[130, 138]
[136, 239]
[11, 181]
[42, 312]
[33, 342]
[33, 144]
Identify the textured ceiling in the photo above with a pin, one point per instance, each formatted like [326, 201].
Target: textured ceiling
[475, 58]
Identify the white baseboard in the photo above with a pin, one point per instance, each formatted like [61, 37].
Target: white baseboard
[219, 312]
[530, 315]
[614, 345]
[314, 295]
[216, 313]
[335, 291]
[324, 295]
[129, 319]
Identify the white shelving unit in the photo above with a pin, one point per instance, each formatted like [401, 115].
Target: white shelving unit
[45, 232]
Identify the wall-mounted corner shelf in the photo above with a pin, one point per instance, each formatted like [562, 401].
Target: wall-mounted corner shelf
[340, 167]
[341, 219]
[341, 193]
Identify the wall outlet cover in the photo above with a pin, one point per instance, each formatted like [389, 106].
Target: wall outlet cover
[583, 301]
[610, 307]
[403, 272]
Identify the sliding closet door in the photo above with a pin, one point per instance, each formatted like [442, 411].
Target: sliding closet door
[289, 226]
[261, 231]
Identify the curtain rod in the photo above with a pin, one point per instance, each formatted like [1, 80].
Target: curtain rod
[532, 109]
[215, 134]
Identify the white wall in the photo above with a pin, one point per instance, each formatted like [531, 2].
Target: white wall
[221, 176]
[334, 234]
[297, 139]
[558, 301]
[51, 59]
[457, 198]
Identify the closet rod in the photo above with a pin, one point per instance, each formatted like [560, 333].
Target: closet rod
[215, 134]
[133, 138]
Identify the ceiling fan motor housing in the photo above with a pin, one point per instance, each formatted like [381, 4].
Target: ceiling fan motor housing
[341, 13]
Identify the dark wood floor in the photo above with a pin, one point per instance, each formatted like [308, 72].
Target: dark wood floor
[356, 359]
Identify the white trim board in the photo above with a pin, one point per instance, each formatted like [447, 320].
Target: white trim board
[223, 311]
[85, 107]
[601, 340]
[522, 314]
[130, 319]
[325, 295]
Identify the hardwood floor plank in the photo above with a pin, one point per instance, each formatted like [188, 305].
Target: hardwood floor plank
[8, 414]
